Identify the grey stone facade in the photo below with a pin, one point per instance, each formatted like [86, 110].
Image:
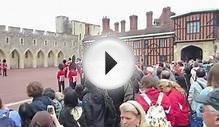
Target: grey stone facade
[28, 48]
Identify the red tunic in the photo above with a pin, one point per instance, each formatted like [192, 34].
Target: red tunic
[60, 75]
[4, 66]
[72, 75]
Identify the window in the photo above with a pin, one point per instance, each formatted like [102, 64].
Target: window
[162, 43]
[26, 55]
[193, 27]
[22, 41]
[55, 43]
[145, 43]
[34, 42]
[80, 37]
[12, 55]
[137, 44]
[217, 21]
[38, 55]
[7, 40]
[65, 43]
[45, 42]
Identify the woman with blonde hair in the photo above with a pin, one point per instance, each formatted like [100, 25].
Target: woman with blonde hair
[179, 104]
[132, 114]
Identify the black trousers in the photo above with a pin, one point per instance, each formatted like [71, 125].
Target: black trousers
[72, 84]
[5, 72]
[61, 85]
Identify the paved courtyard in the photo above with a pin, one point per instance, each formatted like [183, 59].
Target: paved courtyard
[13, 87]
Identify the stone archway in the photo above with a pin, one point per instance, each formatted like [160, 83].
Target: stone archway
[2, 55]
[191, 52]
[28, 59]
[60, 57]
[14, 59]
[51, 59]
[40, 59]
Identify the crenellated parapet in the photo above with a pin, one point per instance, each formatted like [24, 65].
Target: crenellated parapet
[27, 31]
[14, 29]
[39, 32]
[49, 33]
[2, 28]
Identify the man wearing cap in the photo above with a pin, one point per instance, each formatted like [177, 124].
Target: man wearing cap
[210, 108]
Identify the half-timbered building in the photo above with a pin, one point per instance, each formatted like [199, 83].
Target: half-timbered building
[196, 34]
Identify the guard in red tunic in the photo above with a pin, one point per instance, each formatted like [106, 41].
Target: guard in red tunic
[72, 76]
[65, 67]
[61, 78]
[4, 67]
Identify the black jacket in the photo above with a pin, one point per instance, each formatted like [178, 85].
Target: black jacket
[93, 105]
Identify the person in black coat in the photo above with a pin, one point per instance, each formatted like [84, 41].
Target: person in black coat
[72, 115]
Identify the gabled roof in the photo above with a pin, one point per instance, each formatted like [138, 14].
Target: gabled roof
[195, 12]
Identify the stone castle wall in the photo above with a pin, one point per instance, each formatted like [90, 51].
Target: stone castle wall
[28, 48]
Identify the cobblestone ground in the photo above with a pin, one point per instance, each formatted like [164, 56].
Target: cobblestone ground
[13, 86]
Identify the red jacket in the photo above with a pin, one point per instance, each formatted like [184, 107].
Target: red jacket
[4, 66]
[60, 75]
[180, 107]
[72, 74]
[153, 95]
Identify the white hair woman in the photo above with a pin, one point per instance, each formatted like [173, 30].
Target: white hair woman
[132, 114]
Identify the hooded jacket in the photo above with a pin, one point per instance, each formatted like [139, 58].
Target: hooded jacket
[180, 107]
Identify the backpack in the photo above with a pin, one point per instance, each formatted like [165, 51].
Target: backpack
[5, 120]
[110, 114]
[155, 116]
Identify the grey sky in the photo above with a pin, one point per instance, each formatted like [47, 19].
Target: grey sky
[40, 14]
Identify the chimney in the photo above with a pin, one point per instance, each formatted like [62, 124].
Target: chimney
[122, 26]
[149, 19]
[133, 22]
[116, 25]
[106, 25]
[165, 16]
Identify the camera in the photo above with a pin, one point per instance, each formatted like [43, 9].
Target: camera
[50, 108]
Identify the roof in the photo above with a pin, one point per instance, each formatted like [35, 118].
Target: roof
[153, 31]
[84, 22]
[195, 12]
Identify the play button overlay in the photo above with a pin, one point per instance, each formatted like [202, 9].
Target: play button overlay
[108, 63]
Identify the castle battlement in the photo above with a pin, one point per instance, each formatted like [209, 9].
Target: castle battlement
[27, 31]
[2, 28]
[40, 32]
[12, 29]
[50, 33]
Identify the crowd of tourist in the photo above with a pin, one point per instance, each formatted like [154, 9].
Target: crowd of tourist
[176, 94]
